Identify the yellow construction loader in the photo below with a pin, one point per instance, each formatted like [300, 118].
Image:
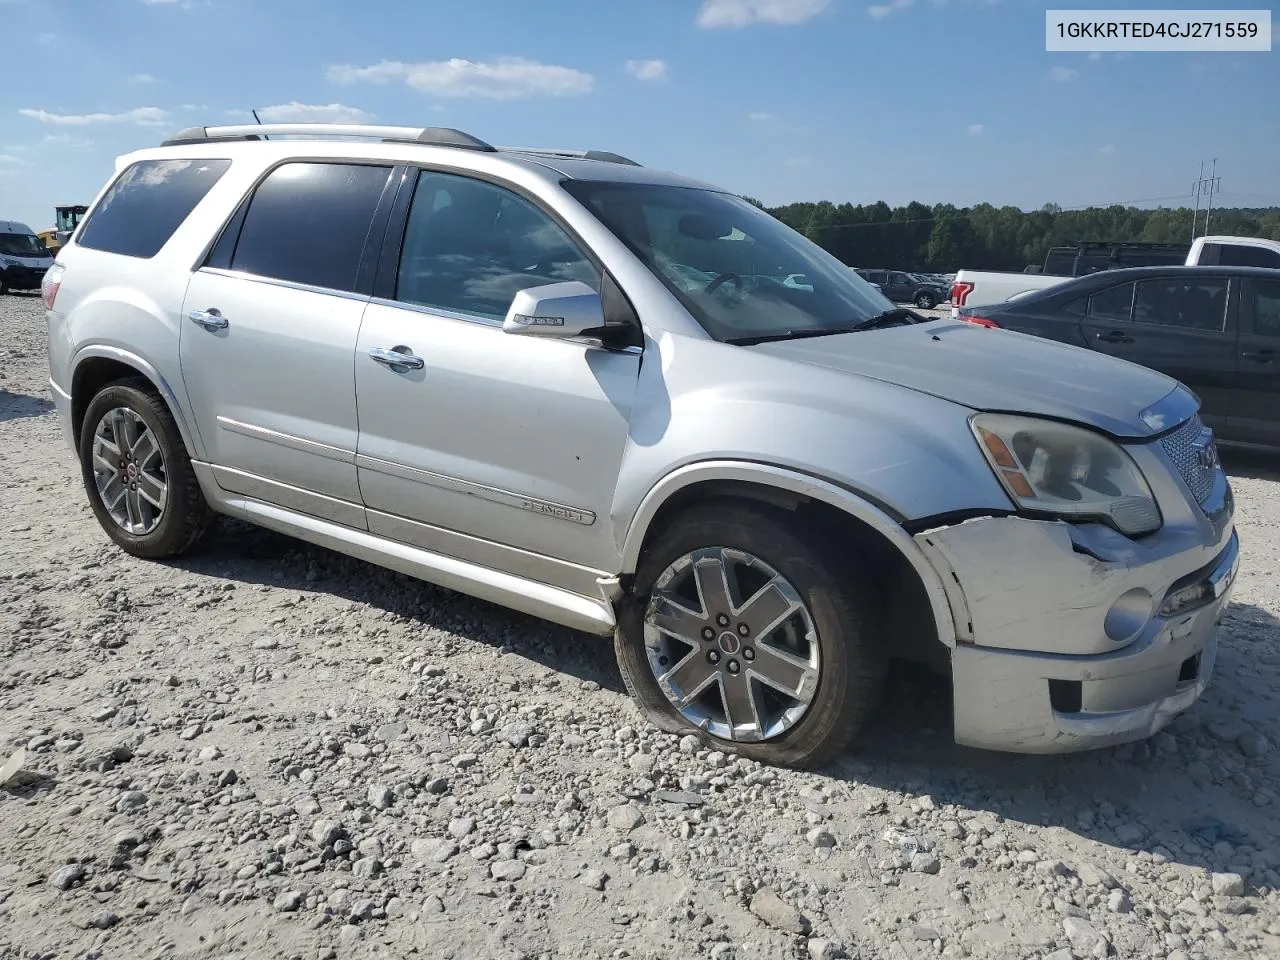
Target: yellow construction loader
[68, 219]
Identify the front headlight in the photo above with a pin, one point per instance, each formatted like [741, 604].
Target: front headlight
[1055, 468]
[5, 263]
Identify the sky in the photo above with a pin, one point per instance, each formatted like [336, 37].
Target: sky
[941, 101]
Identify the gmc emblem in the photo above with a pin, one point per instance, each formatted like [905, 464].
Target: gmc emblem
[1206, 451]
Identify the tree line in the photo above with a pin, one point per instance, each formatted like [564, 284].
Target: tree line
[945, 238]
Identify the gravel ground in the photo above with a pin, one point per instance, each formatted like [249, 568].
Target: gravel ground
[269, 750]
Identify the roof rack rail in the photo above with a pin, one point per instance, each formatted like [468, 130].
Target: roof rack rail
[428, 136]
[603, 155]
[433, 136]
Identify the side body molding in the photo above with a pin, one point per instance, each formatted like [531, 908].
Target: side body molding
[780, 478]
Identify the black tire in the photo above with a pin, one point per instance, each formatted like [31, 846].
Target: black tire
[186, 516]
[843, 608]
[926, 301]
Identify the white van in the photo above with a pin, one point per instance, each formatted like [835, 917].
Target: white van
[23, 258]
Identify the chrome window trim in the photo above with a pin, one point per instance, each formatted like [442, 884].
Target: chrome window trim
[285, 284]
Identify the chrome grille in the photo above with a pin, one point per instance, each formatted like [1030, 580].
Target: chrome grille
[1194, 455]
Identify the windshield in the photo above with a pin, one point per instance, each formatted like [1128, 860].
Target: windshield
[22, 245]
[740, 272]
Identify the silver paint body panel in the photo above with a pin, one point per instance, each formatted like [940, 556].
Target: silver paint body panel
[528, 470]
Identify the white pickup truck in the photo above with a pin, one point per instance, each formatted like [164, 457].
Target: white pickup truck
[974, 288]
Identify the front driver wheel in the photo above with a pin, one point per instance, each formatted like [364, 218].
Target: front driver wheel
[752, 634]
[926, 301]
[137, 473]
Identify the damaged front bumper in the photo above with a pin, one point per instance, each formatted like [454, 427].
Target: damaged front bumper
[1072, 637]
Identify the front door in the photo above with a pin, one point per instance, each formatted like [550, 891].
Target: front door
[268, 339]
[1255, 414]
[499, 449]
[1182, 327]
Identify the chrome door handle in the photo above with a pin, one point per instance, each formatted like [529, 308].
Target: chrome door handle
[397, 357]
[211, 319]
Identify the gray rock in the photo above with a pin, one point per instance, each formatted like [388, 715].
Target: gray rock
[380, 796]
[460, 827]
[777, 913]
[432, 905]
[464, 761]
[392, 730]
[507, 871]
[625, 817]
[1085, 938]
[517, 734]
[1052, 868]
[103, 920]
[821, 949]
[370, 847]
[593, 877]
[64, 878]
[434, 851]
[1225, 729]
[325, 832]
[689, 744]
[920, 932]
[1130, 834]
[820, 838]
[1228, 885]
[366, 867]
[925, 863]
[953, 829]
[1118, 902]
[1253, 744]
[1092, 875]
[436, 786]
[623, 851]
[289, 901]
[131, 801]
[127, 839]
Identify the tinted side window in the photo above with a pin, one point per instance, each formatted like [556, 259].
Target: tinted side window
[1113, 303]
[1199, 304]
[147, 203]
[471, 246]
[902, 280]
[1231, 255]
[308, 223]
[1266, 307]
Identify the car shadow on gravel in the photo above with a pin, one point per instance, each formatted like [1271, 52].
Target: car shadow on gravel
[1178, 793]
[245, 553]
[16, 406]
[1250, 464]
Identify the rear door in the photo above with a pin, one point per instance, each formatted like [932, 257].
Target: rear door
[1256, 399]
[1182, 326]
[269, 335]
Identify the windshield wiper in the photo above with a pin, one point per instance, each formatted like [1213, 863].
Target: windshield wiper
[890, 318]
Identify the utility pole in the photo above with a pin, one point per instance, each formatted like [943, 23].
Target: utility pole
[1206, 186]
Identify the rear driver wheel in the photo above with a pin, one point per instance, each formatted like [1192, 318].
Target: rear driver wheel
[751, 634]
[926, 301]
[137, 472]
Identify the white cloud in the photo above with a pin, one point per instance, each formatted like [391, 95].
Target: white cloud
[1108, 150]
[1063, 74]
[143, 78]
[743, 13]
[67, 140]
[507, 78]
[761, 116]
[296, 112]
[144, 116]
[9, 160]
[1095, 56]
[240, 114]
[977, 129]
[647, 69]
[882, 10]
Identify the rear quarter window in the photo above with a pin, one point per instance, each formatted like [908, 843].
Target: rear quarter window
[147, 203]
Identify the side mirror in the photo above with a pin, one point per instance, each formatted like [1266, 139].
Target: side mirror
[560, 310]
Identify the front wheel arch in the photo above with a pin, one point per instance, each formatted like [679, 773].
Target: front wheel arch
[868, 527]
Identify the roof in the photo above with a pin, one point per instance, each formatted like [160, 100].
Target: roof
[409, 144]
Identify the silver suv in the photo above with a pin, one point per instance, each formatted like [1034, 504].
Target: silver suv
[584, 389]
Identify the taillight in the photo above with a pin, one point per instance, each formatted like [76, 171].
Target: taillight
[50, 284]
[979, 321]
[960, 291]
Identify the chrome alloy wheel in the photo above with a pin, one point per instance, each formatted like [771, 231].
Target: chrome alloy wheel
[129, 471]
[732, 645]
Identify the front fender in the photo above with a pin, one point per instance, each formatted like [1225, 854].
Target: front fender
[795, 482]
